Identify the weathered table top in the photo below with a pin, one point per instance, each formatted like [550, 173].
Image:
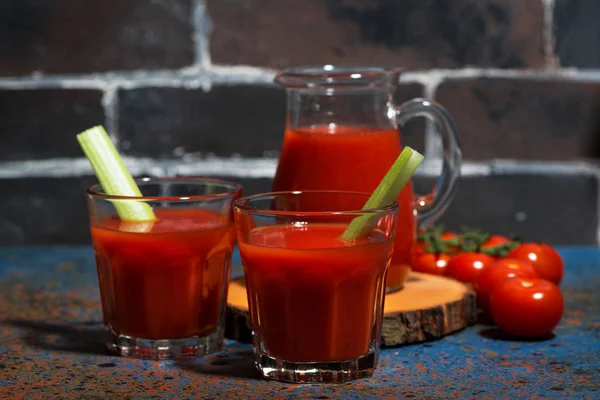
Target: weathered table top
[51, 347]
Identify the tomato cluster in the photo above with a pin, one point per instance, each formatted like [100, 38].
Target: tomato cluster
[516, 283]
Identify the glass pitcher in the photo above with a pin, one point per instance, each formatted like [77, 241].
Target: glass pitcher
[342, 134]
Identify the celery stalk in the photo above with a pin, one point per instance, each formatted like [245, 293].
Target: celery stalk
[113, 175]
[388, 190]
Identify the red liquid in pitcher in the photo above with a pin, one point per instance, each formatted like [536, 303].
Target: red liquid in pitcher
[334, 157]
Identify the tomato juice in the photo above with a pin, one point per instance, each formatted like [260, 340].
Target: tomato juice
[312, 296]
[333, 157]
[169, 282]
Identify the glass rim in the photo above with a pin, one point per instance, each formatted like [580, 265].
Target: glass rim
[237, 204]
[329, 75]
[235, 188]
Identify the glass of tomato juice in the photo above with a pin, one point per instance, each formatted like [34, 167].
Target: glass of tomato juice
[163, 284]
[315, 300]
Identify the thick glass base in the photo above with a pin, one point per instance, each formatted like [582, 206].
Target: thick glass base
[128, 346]
[316, 372]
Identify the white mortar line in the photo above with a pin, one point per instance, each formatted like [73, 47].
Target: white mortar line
[549, 42]
[110, 103]
[103, 81]
[202, 30]
[425, 76]
[517, 167]
[265, 167]
[53, 82]
[430, 79]
[225, 166]
[75, 167]
[71, 167]
[193, 77]
[201, 37]
[433, 168]
[234, 74]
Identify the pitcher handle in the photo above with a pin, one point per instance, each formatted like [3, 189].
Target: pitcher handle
[430, 207]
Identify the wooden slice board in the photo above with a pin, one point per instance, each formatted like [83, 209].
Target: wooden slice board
[427, 308]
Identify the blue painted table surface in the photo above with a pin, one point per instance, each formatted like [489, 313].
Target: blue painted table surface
[51, 347]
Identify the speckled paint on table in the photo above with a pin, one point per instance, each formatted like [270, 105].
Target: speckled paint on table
[51, 347]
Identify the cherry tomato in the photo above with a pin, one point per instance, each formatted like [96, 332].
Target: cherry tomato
[493, 241]
[466, 267]
[450, 236]
[527, 308]
[544, 259]
[430, 263]
[497, 272]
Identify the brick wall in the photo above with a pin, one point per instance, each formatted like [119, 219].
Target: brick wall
[184, 87]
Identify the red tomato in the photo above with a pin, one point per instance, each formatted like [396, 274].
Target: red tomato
[466, 267]
[449, 236]
[430, 263]
[527, 308]
[496, 273]
[546, 261]
[495, 240]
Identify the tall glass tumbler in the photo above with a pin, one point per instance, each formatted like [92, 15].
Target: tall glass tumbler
[315, 299]
[163, 284]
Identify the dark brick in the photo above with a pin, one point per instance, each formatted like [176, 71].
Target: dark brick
[558, 209]
[524, 119]
[63, 36]
[253, 185]
[42, 123]
[229, 119]
[48, 211]
[408, 33]
[577, 32]
[44, 211]
[413, 133]
[242, 119]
